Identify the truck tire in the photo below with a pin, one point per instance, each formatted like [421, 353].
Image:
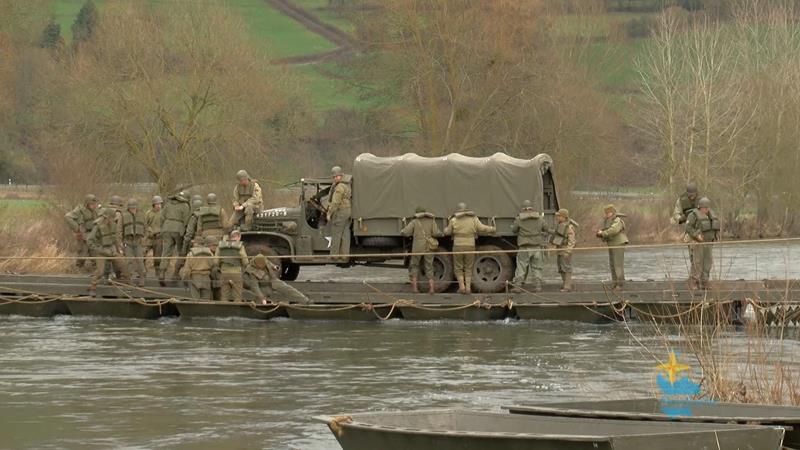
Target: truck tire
[492, 270]
[443, 272]
[255, 248]
[290, 272]
[381, 241]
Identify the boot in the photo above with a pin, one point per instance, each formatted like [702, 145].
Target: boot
[461, 288]
[431, 287]
[468, 285]
[414, 286]
[567, 285]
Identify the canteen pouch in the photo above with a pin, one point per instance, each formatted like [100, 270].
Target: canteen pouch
[433, 243]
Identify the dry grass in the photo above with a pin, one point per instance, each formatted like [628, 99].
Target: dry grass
[34, 231]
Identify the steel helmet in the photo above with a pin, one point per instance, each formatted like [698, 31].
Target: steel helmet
[197, 202]
[211, 199]
[116, 201]
[704, 203]
[90, 198]
[462, 206]
[242, 175]
[336, 171]
[133, 203]
[527, 204]
[157, 200]
[691, 188]
[563, 213]
[108, 213]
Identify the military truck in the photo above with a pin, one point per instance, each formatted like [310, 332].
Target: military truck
[387, 190]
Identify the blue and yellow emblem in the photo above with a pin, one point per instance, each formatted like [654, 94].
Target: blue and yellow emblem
[678, 391]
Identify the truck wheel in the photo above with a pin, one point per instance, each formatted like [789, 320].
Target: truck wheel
[492, 270]
[443, 272]
[290, 272]
[255, 248]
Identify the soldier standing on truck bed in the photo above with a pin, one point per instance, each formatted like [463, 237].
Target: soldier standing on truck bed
[231, 259]
[173, 226]
[702, 226]
[247, 201]
[339, 214]
[81, 221]
[152, 220]
[131, 234]
[424, 230]
[465, 227]
[563, 238]
[261, 279]
[613, 234]
[531, 229]
[200, 263]
[104, 243]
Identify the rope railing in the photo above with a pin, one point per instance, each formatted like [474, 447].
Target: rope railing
[402, 255]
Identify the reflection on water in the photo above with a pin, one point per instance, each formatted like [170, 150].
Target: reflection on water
[99, 383]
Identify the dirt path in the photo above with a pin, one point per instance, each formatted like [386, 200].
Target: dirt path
[313, 23]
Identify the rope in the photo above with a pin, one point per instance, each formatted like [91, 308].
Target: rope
[29, 299]
[441, 253]
[255, 307]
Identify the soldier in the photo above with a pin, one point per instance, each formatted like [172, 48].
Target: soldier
[247, 200]
[464, 226]
[231, 259]
[200, 263]
[104, 243]
[152, 220]
[424, 230]
[116, 204]
[702, 227]
[260, 279]
[685, 204]
[563, 238]
[211, 219]
[531, 229]
[173, 226]
[191, 225]
[81, 221]
[339, 213]
[613, 234]
[131, 234]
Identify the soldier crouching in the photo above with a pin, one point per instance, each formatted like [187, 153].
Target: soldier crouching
[260, 279]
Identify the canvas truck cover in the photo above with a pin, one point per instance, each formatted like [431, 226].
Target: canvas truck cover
[392, 187]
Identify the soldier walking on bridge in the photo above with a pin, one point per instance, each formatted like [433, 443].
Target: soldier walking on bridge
[247, 201]
[424, 232]
[531, 229]
[702, 227]
[613, 234]
[81, 221]
[104, 243]
[563, 238]
[152, 220]
[173, 226]
[465, 227]
[131, 234]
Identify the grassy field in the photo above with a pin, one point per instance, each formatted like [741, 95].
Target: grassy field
[321, 9]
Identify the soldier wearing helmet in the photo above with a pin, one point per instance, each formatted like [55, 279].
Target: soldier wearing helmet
[339, 214]
[152, 222]
[174, 219]
[104, 243]
[191, 225]
[702, 227]
[423, 232]
[563, 238]
[132, 234]
[262, 279]
[613, 234]
[200, 264]
[685, 204]
[81, 221]
[211, 219]
[531, 229]
[465, 227]
[247, 201]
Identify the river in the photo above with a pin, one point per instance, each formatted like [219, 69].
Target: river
[99, 383]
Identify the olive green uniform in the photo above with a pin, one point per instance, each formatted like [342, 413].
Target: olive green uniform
[683, 206]
[197, 271]
[104, 243]
[465, 228]
[250, 198]
[231, 259]
[424, 231]
[263, 282]
[152, 242]
[339, 214]
[132, 234]
[531, 229]
[563, 239]
[81, 221]
[174, 218]
[211, 221]
[707, 227]
[613, 234]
